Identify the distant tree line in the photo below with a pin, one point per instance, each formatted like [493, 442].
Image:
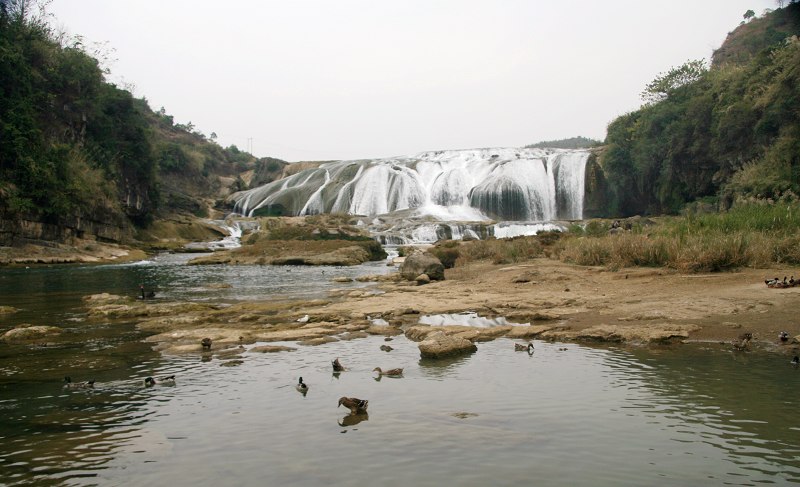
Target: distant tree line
[578, 142]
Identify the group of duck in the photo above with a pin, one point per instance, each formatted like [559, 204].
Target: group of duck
[777, 283]
[354, 404]
[148, 382]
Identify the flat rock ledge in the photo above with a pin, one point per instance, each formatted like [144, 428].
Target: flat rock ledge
[440, 345]
[643, 334]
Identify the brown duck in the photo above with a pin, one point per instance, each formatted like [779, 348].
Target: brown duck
[523, 348]
[354, 404]
[390, 372]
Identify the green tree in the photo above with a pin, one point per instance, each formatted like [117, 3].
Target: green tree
[665, 84]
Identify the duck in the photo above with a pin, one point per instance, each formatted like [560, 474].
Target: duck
[775, 282]
[744, 340]
[386, 348]
[354, 404]
[523, 348]
[796, 360]
[301, 386]
[68, 384]
[146, 294]
[337, 367]
[164, 381]
[390, 372]
[783, 336]
[206, 343]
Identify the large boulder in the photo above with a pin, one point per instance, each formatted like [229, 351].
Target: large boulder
[422, 263]
[439, 345]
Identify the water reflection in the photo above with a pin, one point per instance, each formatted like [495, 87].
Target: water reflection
[353, 419]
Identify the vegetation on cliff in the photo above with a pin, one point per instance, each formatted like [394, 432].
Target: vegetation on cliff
[728, 133]
[77, 147]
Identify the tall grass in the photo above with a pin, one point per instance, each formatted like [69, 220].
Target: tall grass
[751, 235]
[771, 219]
[499, 251]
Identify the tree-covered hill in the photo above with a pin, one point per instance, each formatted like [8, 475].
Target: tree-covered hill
[578, 142]
[722, 134]
[79, 154]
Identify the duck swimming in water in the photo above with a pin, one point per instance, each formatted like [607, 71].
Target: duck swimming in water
[354, 404]
[146, 294]
[301, 386]
[337, 366]
[796, 360]
[523, 348]
[206, 343]
[164, 381]
[783, 336]
[68, 384]
[390, 372]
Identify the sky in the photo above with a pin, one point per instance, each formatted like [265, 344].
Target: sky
[353, 79]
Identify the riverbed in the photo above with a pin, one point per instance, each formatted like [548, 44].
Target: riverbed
[567, 414]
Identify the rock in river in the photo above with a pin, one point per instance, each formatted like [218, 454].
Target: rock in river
[438, 345]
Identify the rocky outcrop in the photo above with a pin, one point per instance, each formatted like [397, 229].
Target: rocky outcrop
[23, 228]
[645, 334]
[422, 263]
[440, 345]
[27, 333]
[294, 253]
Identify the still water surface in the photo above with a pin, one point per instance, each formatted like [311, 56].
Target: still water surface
[691, 415]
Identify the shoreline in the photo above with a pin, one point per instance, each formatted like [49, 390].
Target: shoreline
[558, 301]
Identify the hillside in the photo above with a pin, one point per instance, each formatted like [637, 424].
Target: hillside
[720, 135]
[82, 158]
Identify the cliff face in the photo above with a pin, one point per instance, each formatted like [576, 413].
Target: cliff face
[27, 229]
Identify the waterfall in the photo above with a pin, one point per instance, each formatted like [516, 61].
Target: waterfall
[531, 185]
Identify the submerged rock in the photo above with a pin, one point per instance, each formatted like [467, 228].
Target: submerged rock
[439, 345]
[25, 333]
[271, 349]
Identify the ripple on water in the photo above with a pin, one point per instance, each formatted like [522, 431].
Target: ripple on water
[496, 417]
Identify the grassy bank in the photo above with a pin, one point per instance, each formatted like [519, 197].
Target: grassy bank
[754, 235]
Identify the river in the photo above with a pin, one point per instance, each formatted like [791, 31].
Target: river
[565, 415]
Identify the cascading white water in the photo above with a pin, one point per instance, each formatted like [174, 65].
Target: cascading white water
[467, 185]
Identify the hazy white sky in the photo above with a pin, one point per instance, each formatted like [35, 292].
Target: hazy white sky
[348, 79]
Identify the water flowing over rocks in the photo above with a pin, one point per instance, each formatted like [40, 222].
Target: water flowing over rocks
[463, 185]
